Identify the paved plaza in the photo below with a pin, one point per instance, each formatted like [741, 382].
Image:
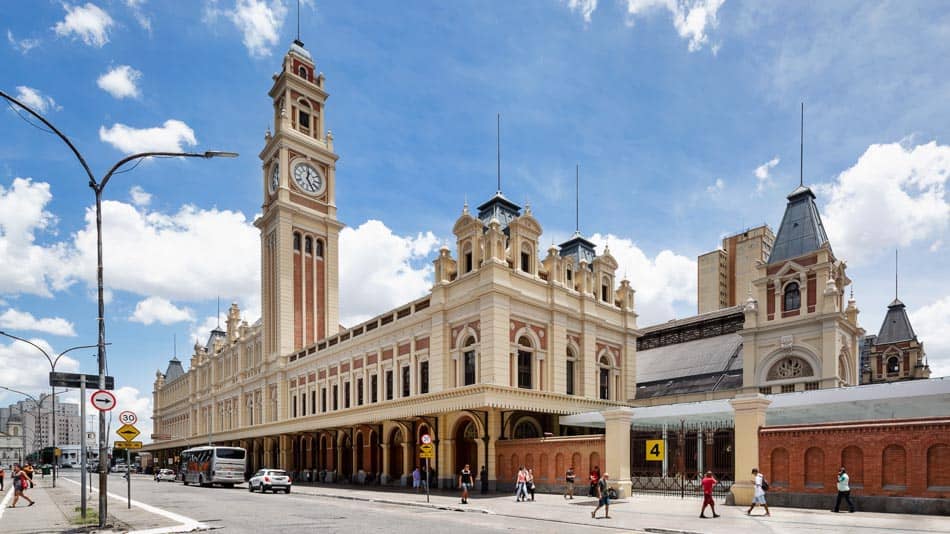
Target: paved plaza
[172, 507]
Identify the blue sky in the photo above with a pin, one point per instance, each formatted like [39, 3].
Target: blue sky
[683, 115]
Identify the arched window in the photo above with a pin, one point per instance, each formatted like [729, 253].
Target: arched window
[893, 366]
[469, 362]
[319, 248]
[526, 429]
[525, 354]
[571, 362]
[296, 242]
[302, 71]
[569, 277]
[303, 116]
[526, 258]
[790, 367]
[604, 378]
[469, 260]
[605, 289]
[308, 245]
[793, 297]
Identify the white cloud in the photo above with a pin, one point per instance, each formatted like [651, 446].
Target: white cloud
[585, 7]
[144, 21]
[167, 138]
[18, 321]
[159, 310]
[24, 368]
[193, 254]
[932, 326]
[140, 197]
[691, 18]
[660, 282]
[120, 82]
[35, 99]
[89, 23]
[201, 330]
[22, 45]
[258, 21]
[894, 196]
[716, 187]
[26, 267]
[762, 174]
[380, 270]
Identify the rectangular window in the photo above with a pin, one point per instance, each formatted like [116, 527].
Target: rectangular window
[765, 390]
[526, 262]
[293, 406]
[313, 401]
[570, 275]
[811, 386]
[603, 293]
[468, 262]
[346, 394]
[323, 399]
[303, 403]
[604, 384]
[524, 369]
[359, 391]
[389, 385]
[570, 377]
[374, 388]
[304, 119]
[405, 381]
[470, 368]
[336, 397]
[424, 377]
[788, 388]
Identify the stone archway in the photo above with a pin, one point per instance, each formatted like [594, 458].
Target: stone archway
[466, 445]
[396, 452]
[360, 449]
[346, 457]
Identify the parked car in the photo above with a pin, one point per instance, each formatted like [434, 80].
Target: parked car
[165, 474]
[270, 479]
[119, 468]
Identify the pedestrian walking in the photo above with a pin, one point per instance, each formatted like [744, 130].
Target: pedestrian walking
[483, 477]
[569, 480]
[416, 478]
[529, 482]
[29, 473]
[603, 499]
[520, 490]
[466, 482]
[2, 476]
[758, 496]
[20, 482]
[709, 481]
[594, 478]
[844, 491]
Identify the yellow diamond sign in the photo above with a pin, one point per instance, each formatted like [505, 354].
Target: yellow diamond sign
[128, 432]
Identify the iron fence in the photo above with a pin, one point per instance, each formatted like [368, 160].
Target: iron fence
[689, 449]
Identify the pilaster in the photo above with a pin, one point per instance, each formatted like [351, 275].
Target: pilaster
[749, 418]
[617, 448]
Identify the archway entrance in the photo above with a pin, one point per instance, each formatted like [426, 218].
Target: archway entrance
[346, 458]
[466, 447]
[360, 451]
[395, 454]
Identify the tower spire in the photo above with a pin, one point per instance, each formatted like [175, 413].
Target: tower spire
[498, 147]
[218, 316]
[577, 198]
[895, 273]
[801, 152]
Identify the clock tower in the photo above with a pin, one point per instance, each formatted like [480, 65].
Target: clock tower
[299, 228]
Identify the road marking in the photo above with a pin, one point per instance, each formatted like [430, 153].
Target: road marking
[187, 524]
[6, 499]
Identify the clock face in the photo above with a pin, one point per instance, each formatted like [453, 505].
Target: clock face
[308, 179]
[274, 179]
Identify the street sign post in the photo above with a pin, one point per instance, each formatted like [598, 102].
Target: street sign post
[76, 380]
[103, 401]
[128, 433]
[427, 452]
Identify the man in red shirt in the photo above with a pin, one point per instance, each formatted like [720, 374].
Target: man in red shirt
[708, 482]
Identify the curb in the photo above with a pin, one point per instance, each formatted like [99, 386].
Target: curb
[435, 506]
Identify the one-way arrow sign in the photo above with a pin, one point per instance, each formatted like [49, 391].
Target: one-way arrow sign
[128, 432]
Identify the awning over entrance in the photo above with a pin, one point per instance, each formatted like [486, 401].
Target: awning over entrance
[897, 400]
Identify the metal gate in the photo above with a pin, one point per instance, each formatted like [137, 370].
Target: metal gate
[689, 450]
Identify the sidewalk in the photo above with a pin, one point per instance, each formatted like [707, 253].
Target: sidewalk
[56, 510]
[644, 513]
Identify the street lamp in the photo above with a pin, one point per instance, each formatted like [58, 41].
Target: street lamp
[52, 367]
[97, 187]
[38, 406]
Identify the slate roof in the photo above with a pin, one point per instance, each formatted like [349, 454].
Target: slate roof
[896, 326]
[801, 231]
[174, 371]
[692, 359]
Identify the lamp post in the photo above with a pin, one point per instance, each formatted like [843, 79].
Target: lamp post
[52, 367]
[98, 186]
[38, 405]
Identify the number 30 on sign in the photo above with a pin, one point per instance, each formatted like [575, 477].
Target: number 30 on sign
[655, 450]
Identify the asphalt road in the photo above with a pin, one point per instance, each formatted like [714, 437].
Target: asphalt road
[237, 510]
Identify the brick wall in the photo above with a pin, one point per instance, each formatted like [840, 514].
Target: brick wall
[892, 458]
[549, 458]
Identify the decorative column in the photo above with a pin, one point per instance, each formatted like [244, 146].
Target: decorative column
[617, 448]
[384, 469]
[749, 417]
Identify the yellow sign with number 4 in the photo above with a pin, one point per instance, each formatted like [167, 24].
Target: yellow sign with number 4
[655, 450]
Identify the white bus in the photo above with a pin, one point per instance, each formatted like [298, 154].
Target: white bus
[213, 465]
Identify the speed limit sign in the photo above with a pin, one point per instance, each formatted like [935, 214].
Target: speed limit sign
[128, 418]
[426, 439]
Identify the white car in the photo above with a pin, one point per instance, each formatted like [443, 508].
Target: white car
[165, 474]
[270, 479]
[119, 468]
